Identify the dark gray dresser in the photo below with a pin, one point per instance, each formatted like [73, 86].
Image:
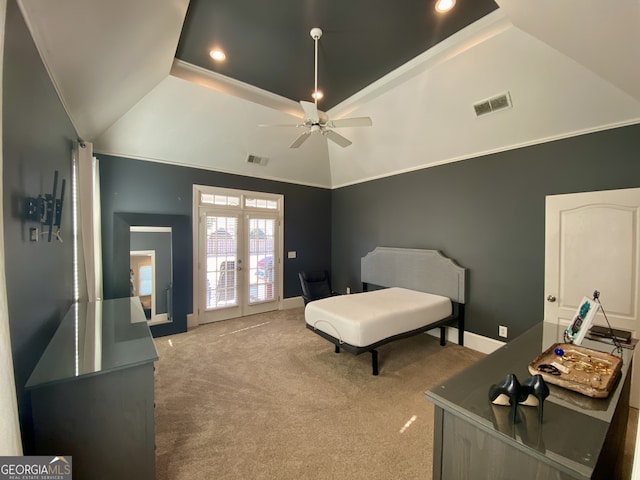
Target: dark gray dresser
[580, 437]
[92, 392]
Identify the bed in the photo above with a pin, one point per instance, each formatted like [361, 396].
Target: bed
[416, 291]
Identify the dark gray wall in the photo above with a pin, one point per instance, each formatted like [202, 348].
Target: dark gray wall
[137, 186]
[37, 137]
[487, 213]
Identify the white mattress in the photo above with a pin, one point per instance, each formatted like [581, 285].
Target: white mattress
[365, 318]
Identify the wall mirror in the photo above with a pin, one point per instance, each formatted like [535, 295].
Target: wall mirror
[150, 271]
[163, 243]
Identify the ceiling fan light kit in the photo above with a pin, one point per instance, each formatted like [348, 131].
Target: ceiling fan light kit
[316, 121]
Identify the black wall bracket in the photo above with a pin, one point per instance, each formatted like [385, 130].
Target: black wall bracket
[47, 210]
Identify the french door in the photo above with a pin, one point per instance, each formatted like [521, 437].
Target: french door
[239, 266]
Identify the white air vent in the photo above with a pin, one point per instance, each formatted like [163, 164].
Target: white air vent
[257, 160]
[499, 102]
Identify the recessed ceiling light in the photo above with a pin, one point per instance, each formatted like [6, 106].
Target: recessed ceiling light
[317, 95]
[444, 5]
[217, 55]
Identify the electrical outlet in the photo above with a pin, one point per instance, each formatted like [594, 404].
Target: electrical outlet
[502, 331]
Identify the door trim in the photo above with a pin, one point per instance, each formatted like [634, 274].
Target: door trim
[197, 190]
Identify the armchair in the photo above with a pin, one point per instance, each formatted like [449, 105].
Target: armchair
[315, 285]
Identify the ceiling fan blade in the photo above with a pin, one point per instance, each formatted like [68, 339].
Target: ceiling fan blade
[281, 125]
[300, 140]
[337, 138]
[317, 121]
[310, 111]
[350, 122]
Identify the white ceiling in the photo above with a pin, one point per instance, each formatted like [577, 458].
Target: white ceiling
[570, 68]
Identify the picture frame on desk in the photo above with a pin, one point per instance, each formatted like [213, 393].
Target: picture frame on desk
[587, 309]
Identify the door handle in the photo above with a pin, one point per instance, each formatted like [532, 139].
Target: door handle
[551, 298]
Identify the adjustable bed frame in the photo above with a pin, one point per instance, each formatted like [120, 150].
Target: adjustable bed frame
[427, 271]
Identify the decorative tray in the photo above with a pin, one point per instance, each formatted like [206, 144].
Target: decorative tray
[583, 370]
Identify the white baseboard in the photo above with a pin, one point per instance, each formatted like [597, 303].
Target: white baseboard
[635, 474]
[292, 302]
[158, 319]
[472, 340]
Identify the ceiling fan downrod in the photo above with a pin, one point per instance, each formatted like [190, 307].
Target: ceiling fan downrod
[317, 122]
[316, 33]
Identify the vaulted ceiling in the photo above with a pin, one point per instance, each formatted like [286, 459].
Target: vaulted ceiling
[136, 79]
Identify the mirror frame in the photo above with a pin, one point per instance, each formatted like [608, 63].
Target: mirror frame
[181, 247]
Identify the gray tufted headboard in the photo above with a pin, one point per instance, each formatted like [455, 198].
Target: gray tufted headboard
[422, 270]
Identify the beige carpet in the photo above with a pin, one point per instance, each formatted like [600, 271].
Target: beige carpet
[262, 397]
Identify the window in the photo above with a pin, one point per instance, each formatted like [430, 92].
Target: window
[261, 203]
[241, 199]
[220, 200]
[145, 285]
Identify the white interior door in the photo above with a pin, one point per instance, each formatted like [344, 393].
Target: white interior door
[592, 242]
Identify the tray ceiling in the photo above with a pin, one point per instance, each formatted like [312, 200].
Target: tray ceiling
[140, 83]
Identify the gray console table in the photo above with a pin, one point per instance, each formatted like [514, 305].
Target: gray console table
[92, 392]
[580, 437]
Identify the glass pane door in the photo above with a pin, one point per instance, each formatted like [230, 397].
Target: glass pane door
[262, 274]
[239, 254]
[221, 265]
[261, 256]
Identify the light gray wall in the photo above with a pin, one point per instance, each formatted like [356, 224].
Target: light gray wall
[487, 213]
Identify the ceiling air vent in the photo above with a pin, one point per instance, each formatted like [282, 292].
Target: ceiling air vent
[257, 160]
[499, 102]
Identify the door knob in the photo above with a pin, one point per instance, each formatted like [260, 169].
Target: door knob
[551, 298]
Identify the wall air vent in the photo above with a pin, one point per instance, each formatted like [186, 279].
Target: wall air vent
[493, 104]
[257, 160]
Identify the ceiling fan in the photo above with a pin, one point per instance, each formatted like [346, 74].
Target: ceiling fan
[316, 121]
